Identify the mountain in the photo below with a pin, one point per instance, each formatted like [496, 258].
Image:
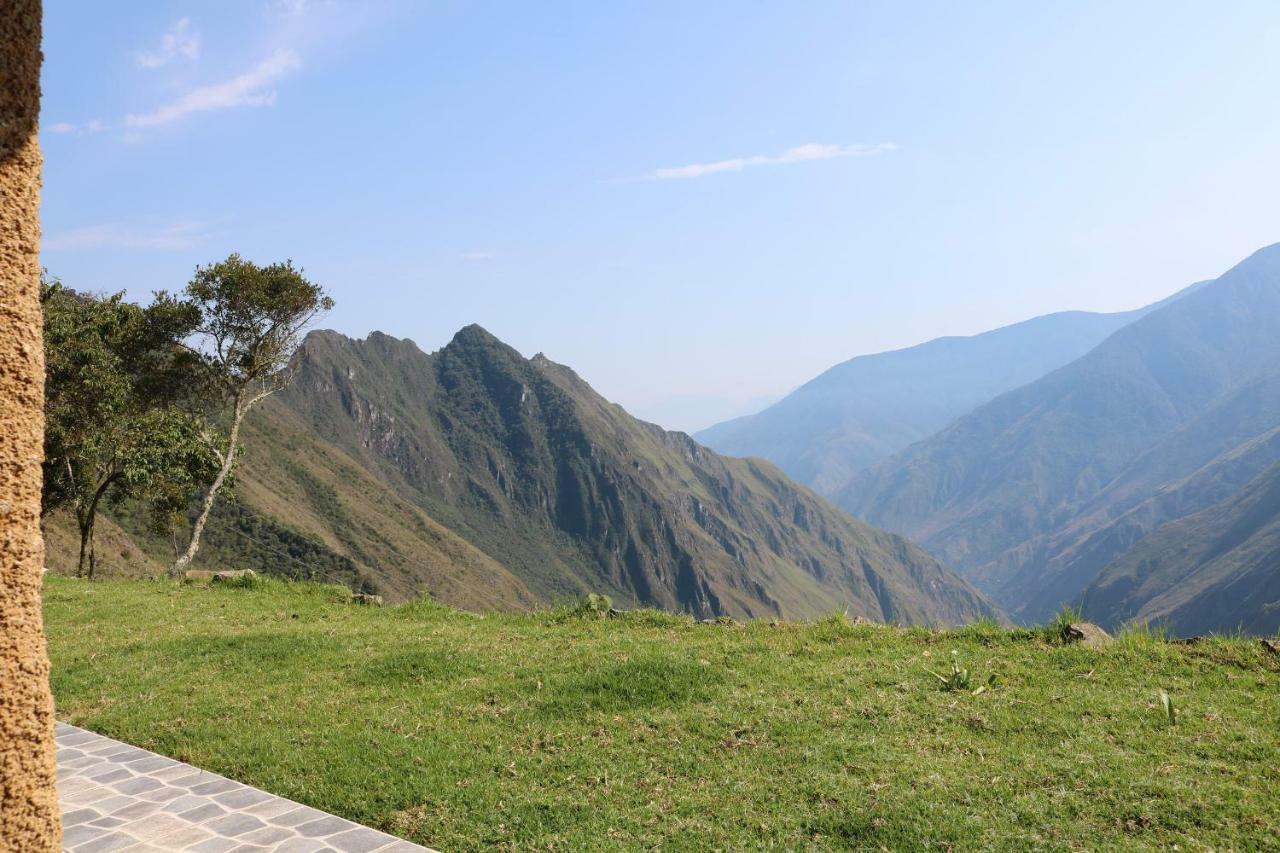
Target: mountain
[1218, 569]
[863, 410]
[473, 471]
[1031, 495]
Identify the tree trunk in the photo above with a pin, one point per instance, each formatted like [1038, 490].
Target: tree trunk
[93, 552]
[206, 505]
[84, 547]
[86, 517]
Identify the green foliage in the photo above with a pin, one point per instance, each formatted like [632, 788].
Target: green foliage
[511, 731]
[837, 626]
[1141, 635]
[250, 320]
[251, 317]
[117, 424]
[1055, 632]
[959, 678]
[591, 606]
[1166, 704]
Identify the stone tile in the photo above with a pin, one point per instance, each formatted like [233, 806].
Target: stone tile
[302, 814]
[184, 838]
[106, 773]
[162, 794]
[202, 814]
[109, 822]
[73, 737]
[69, 783]
[114, 805]
[137, 785]
[241, 798]
[234, 825]
[361, 840]
[217, 786]
[75, 835]
[273, 807]
[327, 825]
[300, 845]
[155, 825]
[177, 771]
[86, 796]
[214, 845]
[106, 843]
[137, 810]
[152, 763]
[269, 835]
[185, 802]
[76, 816]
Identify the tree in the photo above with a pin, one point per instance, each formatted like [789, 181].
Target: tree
[116, 378]
[252, 320]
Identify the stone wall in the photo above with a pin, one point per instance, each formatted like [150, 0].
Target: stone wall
[28, 802]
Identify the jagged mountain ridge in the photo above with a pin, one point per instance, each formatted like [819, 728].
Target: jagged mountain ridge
[567, 493]
[863, 410]
[1012, 493]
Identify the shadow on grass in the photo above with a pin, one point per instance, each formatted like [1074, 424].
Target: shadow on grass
[648, 681]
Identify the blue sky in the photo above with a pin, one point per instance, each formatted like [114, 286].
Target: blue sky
[695, 205]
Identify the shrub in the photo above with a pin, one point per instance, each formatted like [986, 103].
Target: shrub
[591, 606]
[1055, 633]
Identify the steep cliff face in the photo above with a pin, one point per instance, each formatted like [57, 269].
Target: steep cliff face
[567, 493]
[28, 802]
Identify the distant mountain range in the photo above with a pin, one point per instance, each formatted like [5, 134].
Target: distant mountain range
[864, 410]
[1128, 463]
[1038, 493]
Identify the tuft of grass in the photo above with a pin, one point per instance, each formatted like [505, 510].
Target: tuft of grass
[1141, 636]
[837, 626]
[591, 606]
[517, 731]
[1167, 704]
[1055, 632]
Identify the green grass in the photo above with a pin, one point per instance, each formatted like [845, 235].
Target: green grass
[646, 730]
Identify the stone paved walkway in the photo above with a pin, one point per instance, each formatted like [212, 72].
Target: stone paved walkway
[118, 797]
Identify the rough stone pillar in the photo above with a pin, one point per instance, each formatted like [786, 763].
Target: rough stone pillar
[28, 801]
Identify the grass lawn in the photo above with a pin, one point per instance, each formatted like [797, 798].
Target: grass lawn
[551, 732]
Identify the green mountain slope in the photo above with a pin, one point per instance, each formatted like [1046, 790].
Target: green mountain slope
[1008, 492]
[1214, 570]
[559, 492]
[864, 410]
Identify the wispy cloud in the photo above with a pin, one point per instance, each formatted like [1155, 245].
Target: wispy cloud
[799, 154]
[179, 43]
[93, 125]
[478, 256]
[247, 89]
[290, 8]
[172, 237]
